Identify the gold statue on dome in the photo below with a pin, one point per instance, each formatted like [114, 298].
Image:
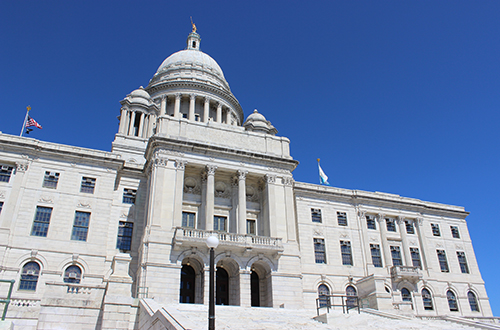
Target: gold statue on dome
[194, 26]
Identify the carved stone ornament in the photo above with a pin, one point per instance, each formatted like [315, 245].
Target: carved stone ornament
[400, 220]
[318, 232]
[46, 199]
[419, 221]
[191, 186]
[343, 235]
[459, 247]
[279, 170]
[222, 190]
[242, 174]
[288, 181]
[124, 215]
[75, 257]
[21, 167]
[374, 239]
[380, 217]
[34, 253]
[252, 194]
[84, 204]
[2, 194]
[438, 245]
[211, 169]
[362, 214]
[270, 178]
[414, 243]
[160, 162]
[180, 164]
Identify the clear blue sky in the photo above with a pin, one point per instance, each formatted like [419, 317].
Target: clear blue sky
[393, 96]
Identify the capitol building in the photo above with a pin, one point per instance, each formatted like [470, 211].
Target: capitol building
[92, 237]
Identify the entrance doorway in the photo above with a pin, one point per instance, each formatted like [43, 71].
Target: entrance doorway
[221, 287]
[255, 289]
[187, 285]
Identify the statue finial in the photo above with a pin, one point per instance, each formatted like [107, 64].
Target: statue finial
[194, 26]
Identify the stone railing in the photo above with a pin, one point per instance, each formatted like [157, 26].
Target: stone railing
[16, 302]
[409, 273]
[199, 237]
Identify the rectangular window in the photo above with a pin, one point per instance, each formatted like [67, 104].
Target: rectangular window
[435, 229]
[88, 185]
[454, 232]
[443, 263]
[376, 257]
[396, 256]
[345, 249]
[124, 241]
[391, 224]
[129, 196]
[50, 180]
[251, 227]
[370, 222]
[188, 219]
[410, 228]
[316, 215]
[5, 173]
[415, 257]
[220, 223]
[463, 262]
[342, 218]
[41, 222]
[319, 251]
[1, 206]
[80, 226]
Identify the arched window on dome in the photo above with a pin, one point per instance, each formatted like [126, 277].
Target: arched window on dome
[427, 299]
[452, 301]
[405, 294]
[474, 306]
[323, 292]
[29, 276]
[73, 274]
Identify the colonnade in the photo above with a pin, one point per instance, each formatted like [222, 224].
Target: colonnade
[223, 112]
[137, 123]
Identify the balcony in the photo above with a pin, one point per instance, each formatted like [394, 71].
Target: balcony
[198, 238]
[409, 273]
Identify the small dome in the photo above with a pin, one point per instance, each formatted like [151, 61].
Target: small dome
[256, 122]
[139, 96]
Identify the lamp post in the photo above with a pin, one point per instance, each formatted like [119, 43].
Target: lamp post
[212, 243]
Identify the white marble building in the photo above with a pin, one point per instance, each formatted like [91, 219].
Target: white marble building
[87, 233]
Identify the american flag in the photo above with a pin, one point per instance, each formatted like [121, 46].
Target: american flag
[31, 122]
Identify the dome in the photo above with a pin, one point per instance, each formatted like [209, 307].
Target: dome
[181, 66]
[139, 96]
[256, 122]
[140, 92]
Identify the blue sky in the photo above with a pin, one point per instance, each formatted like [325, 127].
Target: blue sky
[393, 96]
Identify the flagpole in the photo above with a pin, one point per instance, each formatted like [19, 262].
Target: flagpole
[28, 108]
[320, 175]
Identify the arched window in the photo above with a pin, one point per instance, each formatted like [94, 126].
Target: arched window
[73, 274]
[351, 291]
[427, 299]
[29, 276]
[474, 307]
[452, 301]
[323, 293]
[405, 294]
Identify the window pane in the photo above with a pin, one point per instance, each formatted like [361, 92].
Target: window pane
[29, 276]
[50, 180]
[220, 223]
[410, 228]
[342, 218]
[405, 294]
[435, 229]
[1, 206]
[251, 228]
[316, 215]
[443, 263]
[391, 224]
[73, 274]
[88, 185]
[474, 307]
[323, 293]
[396, 256]
[188, 219]
[454, 232]
[80, 226]
[345, 247]
[452, 301]
[5, 173]
[41, 221]
[319, 251]
[463, 262]
[124, 240]
[129, 196]
[427, 299]
[370, 222]
[376, 257]
[415, 257]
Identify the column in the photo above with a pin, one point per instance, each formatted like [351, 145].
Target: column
[180, 165]
[210, 198]
[245, 288]
[141, 124]
[163, 105]
[228, 116]
[219, 112]
[192, 102]
[132, 123]
[123, 119]
[404, 240]
[270, 206]
[423, 244]
[206, 110]
[242, 202]
[206, 292]
[383, 238]
[289, 208]
[177, 105]
[366, 241]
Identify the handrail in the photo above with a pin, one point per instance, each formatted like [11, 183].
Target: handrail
[7, 301]
[349, 302]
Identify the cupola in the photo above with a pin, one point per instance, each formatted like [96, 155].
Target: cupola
[256, 122]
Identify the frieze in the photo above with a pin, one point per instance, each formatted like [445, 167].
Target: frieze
[162, 152]
[279, 170]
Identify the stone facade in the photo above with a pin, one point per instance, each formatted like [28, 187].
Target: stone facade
[86, 233]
